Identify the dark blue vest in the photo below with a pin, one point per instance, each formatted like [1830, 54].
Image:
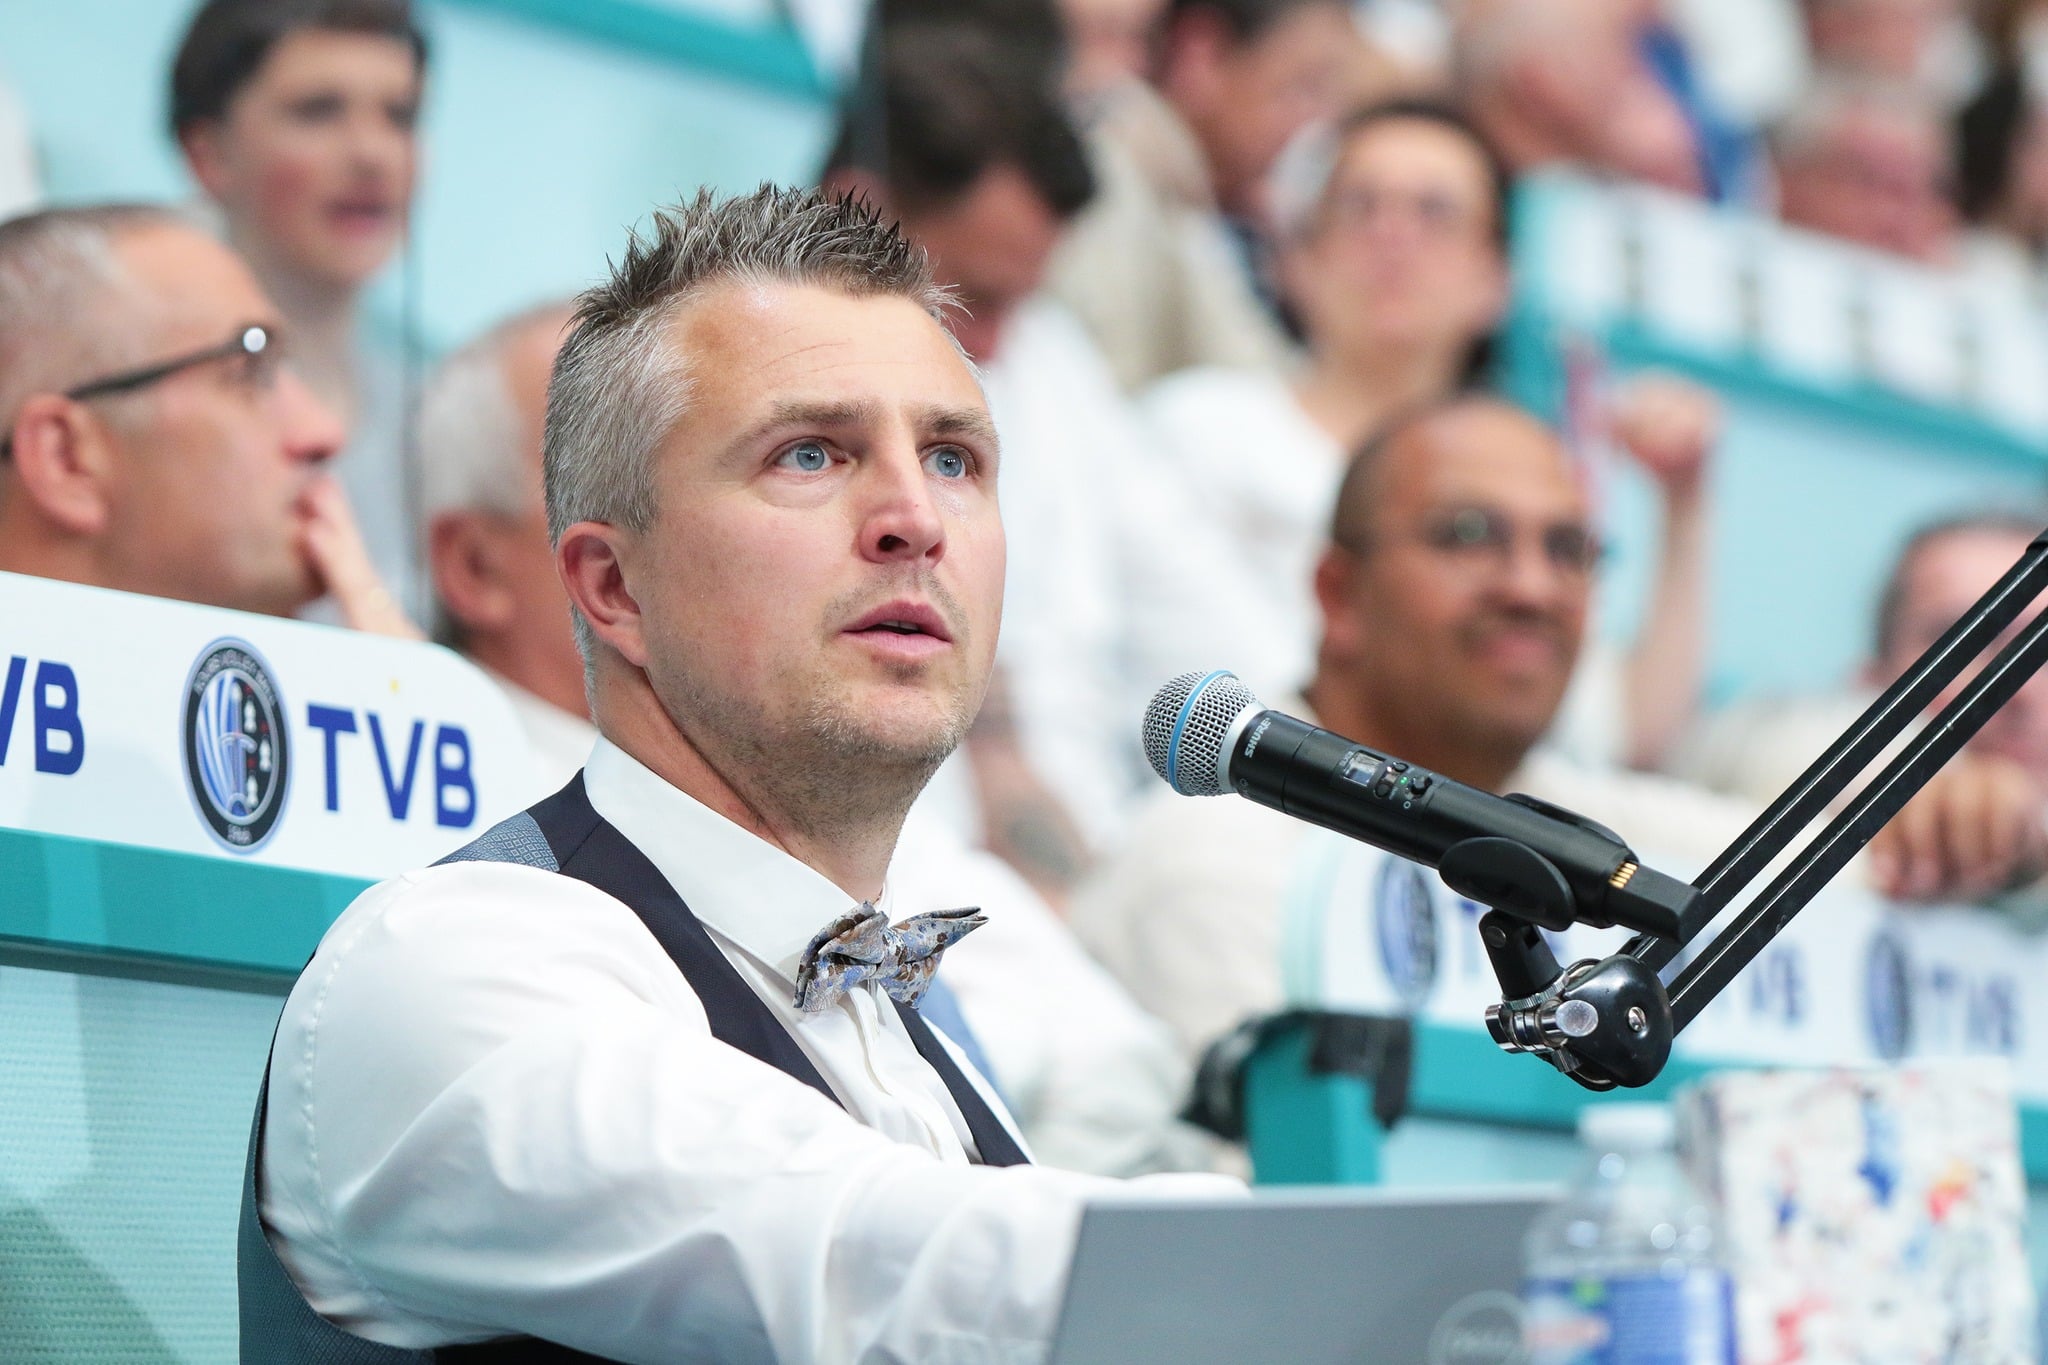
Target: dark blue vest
[565, 834]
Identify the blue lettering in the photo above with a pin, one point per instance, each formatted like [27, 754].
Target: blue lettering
[1777, 987]
[57, 718]
[452, 777]
[10, 698]
[397, 792]
[1993, 1021]
[332, 722]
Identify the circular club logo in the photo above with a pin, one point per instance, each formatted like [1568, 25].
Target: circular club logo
[1404, 920]
[1888, 997]
[237, 758]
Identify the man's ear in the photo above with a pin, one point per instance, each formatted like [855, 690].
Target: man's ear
[1336, 572]
[205, 157]
[590, 559]
[63, 460]
[469, 579]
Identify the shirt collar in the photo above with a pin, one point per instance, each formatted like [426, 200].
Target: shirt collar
[753, 893]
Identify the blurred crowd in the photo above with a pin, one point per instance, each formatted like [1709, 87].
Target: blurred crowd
[1232, 273]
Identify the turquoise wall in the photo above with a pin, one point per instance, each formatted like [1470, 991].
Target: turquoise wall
[550, 127]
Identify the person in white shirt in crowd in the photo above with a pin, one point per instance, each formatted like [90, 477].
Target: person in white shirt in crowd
[1756, 748]
[628, 1076]
[974, 154]
[499, 601]
[1454, 592]
[296, 119]
[1163, 268]
[153, 436]
[1869, 160]
[1394, 259]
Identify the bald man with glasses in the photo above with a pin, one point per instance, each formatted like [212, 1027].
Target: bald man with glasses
[153, 438]
[1454, 591]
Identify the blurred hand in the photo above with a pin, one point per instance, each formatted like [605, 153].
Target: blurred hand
[1668, 426]
[334, 546]
[1975, 830]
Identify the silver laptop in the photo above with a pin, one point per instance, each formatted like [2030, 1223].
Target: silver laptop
[1310, 1276]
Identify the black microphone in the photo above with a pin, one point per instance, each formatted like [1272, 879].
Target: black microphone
[1206, 734]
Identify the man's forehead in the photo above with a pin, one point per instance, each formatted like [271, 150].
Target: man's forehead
[1481, 452]
[755, 348]
[1957, 568]
[189, 285]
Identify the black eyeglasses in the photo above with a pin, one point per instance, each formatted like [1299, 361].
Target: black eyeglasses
[254, 343]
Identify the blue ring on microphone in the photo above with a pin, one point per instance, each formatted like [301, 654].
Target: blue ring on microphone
[1180, 723]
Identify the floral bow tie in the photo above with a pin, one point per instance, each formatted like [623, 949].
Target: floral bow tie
[862, 946]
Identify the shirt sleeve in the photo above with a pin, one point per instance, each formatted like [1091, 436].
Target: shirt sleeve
[497, 1108]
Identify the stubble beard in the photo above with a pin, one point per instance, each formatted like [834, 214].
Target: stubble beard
[830, 769]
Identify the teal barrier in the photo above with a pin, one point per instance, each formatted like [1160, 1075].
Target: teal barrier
[771, 56]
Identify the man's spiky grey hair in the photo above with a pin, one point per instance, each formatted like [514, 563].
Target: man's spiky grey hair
[620, 383]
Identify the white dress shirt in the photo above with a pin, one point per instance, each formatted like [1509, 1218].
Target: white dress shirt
[496, 1105]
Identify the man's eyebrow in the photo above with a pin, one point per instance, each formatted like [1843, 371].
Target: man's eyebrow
[971, 423]
[941, 421]
[822, 413]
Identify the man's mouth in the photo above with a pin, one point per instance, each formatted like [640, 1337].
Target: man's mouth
[365, 214]
[903, 619]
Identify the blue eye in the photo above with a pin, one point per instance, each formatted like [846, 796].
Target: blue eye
[808, 456]
[949, 462]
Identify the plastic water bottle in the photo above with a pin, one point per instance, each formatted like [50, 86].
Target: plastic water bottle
[1625, 1269]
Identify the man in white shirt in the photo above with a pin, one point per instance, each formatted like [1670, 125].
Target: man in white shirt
[656, 1094]
[500, 603]
[1454, 595]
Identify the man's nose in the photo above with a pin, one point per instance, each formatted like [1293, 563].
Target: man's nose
[310, 431]
[900, 518]
[1530, 574]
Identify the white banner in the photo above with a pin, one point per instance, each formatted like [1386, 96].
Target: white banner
[1851, 980]
[135, 720]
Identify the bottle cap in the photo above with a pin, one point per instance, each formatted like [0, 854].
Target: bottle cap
[1632, 1125]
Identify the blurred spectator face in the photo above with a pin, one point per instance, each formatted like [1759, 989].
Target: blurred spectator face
[192, 486]
[494, 570]
[1245, 99]
[1460, 606]
[314, 159]
[1942, 579]
[1403, 251]
[1109, 42]
[1906, 40]
[991, 244]
[1874, 174]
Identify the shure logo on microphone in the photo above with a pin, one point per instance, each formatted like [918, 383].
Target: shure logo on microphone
[1251, 743]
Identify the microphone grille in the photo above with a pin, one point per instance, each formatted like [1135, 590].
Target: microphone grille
[1186, 726]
